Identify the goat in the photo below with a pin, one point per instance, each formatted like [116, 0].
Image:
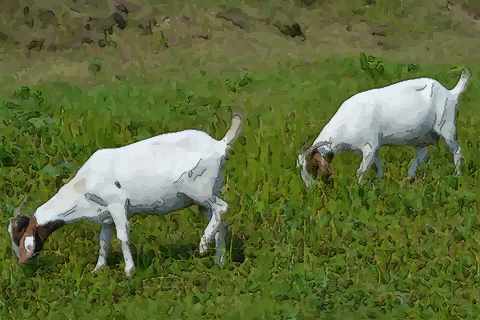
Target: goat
[161, 174]
[414, 112]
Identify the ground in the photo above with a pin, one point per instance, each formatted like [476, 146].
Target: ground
[389, 249]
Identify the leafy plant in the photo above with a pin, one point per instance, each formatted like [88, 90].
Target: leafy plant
[235, 85]
[373, 66]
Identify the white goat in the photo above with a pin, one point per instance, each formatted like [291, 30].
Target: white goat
[157, 175]
[413, 112]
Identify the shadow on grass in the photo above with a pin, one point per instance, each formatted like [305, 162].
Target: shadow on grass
[42, 264]
[236, 247]
[144, 256]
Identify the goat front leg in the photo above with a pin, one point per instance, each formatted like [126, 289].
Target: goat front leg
[105, 243]
[119, 216]
[368, 157]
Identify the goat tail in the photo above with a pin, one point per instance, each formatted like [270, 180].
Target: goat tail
[234, 130]
[462, 82]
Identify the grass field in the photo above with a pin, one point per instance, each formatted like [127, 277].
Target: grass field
[388, 249]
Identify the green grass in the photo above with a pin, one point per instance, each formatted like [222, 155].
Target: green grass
[389, 249]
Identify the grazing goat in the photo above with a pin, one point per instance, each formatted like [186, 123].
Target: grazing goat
[414, 112]
[157, 175]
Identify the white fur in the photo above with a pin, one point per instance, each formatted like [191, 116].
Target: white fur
[413, 112]
[157, 175]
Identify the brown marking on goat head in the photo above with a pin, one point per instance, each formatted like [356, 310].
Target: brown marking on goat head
[319, 166]
[34, 236]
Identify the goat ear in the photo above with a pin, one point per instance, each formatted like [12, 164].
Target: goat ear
[18, 225]
[18, 210]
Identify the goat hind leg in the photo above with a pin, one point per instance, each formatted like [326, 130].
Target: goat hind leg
[457, 154]
[220, 235]
[378, 165]
[215, 226]
[421, 156]
[449, 135]
[448, 131]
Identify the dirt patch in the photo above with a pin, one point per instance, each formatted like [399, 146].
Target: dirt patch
[379, 30]
[4, 37]
[292, 30]
[133, 36]
[237, 17]
[472, 8]
[36, 45]
[70, 24]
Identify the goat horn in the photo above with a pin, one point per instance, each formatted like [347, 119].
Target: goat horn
[17, 211]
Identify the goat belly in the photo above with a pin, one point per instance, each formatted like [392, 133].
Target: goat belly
[152, 194]
[160, 206]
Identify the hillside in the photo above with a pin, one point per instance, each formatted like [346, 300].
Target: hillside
[70, 40]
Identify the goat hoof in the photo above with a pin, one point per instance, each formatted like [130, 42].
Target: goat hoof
[220, 260]
[411, 179]
[129, 271]
[203, 247]
[98, 267]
